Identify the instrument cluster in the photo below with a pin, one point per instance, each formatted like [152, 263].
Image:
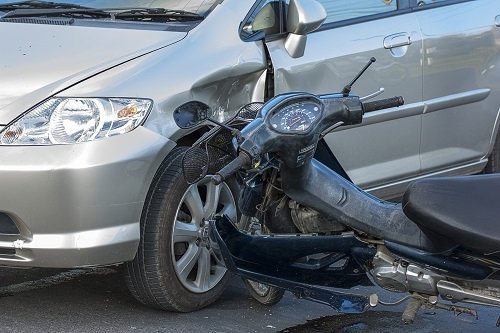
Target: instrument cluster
[296, 117]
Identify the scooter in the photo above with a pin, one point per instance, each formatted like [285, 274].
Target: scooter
[306, 228]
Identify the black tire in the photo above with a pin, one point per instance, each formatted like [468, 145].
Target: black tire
[152, 277]
[493, 165]
[264, 294]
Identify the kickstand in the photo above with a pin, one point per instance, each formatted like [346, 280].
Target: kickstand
[458, 310]
[417, 301]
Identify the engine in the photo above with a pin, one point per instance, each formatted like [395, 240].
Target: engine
[400, 276]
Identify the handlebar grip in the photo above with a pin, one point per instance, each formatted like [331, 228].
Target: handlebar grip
[383, 104]
[233, 166]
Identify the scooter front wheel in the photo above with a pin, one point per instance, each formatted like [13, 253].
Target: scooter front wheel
[263, 293]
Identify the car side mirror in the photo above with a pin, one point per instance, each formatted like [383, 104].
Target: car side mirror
[304, 16]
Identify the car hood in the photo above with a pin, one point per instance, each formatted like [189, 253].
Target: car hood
[38, 61]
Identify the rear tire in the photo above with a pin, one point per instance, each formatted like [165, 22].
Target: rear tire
[175, 269]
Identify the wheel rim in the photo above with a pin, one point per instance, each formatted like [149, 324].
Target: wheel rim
[198, 267]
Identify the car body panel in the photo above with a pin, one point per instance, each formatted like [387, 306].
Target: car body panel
[81, 199]
[461, 54]
[329, 66]
[35, 68]
[172, 76]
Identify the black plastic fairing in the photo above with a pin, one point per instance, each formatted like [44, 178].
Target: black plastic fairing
[316, 186]
[340, 301]
[282, 256]
[459, 268]
[324, 155]
[248, 264]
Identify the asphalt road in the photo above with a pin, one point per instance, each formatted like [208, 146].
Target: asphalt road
[38, 300]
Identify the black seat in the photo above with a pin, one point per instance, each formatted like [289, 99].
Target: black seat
[463, 209]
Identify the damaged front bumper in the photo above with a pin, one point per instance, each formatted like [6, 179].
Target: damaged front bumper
[79, 205]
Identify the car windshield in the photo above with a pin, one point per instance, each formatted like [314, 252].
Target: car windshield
[199, 7]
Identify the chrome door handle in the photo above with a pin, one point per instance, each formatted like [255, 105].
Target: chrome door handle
[397, 40]
[497, 21]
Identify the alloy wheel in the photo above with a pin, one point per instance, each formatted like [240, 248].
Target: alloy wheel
[197, 264]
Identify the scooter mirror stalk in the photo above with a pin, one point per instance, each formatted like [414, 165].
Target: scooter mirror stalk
[347, 89]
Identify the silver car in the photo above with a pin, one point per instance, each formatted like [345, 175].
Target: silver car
[90, 157]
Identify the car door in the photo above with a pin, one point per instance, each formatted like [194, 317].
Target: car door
[461, 82]
[385, 148]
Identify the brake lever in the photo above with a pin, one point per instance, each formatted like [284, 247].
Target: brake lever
[372, 95]
[330, 129]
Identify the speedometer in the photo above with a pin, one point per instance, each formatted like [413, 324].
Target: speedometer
[297, 120]
[296, 117]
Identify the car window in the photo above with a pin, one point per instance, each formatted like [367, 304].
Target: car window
[341, 10]
[265, 17]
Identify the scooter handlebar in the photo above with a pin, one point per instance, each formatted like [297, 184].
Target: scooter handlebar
[383, 104]
[232, 167]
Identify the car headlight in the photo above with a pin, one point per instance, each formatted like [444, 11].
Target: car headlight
[73, 120]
